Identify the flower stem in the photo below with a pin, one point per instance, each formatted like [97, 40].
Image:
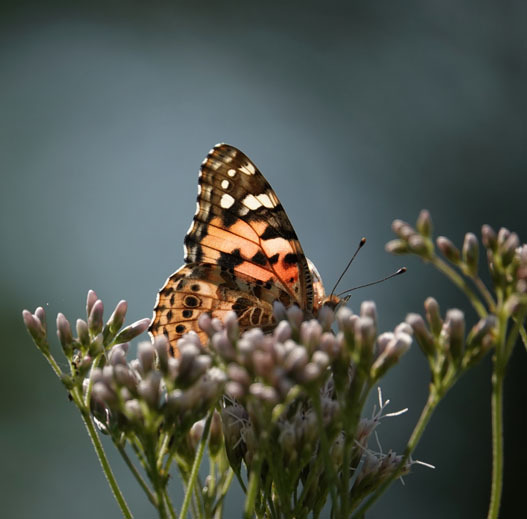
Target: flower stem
[324, 447]
[103, 460]
[136, 473]
[497, 443]
[218, 507]
[53, 363]
[195, 466]
[168, 502]
[252, 488]
[500, 359]
[450, 273]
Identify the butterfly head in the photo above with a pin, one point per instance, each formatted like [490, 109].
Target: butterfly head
[320, 298]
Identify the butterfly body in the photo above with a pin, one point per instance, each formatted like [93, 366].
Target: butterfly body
[241, 254]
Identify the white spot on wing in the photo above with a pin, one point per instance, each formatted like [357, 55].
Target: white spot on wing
[248, 169]
[231, 172]
[273, 198]
[252, 202]
[225, 184]
[226, 201]
[265, 200]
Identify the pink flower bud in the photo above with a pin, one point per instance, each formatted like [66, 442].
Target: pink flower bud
[132, 331]
[95, 318]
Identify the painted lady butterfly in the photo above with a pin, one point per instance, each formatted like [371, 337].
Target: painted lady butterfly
[241, 254]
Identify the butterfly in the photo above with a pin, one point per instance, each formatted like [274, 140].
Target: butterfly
[241, 254]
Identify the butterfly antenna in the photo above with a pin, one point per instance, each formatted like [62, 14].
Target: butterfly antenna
[398, 272]
[361, 243]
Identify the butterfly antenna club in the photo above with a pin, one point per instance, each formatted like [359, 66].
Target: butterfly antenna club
[398, 272]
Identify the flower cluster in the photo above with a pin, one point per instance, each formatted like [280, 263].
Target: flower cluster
[444, 344]
[294, 398]
[156, 392]
[443, 340]
[506, 258]
[93, 339]
[152, 395]
[290, 401]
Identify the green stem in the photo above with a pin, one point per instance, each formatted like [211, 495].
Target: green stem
[498, 375]
[161, 508]
[53, 363]
[426, 414]
[324, 447]
[485, 293]
[497, 443]
[199, 509]
[252, 488]
[508, 346]
[195, 466]
[163, 450]
[352, 418]
[103, 460]
[168, 502]
[149, 442]
[460, 283]
[136, 473]
[218, 506]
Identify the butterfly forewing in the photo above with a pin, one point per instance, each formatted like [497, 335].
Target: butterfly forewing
[241, 225]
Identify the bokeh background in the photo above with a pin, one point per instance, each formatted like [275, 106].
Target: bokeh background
[356, 112]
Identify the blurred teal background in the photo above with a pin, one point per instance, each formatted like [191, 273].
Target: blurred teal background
[356, 112]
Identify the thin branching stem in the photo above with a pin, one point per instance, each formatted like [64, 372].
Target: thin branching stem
[133, 469]
[195, 466]
[53, 363]
[168, 502]
[485, 293]
[101, 454]
[218, 507]
[252, 488]
[461, 284]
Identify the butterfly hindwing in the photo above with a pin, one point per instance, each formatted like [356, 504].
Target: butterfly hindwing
[241, 226]
[197, 288]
